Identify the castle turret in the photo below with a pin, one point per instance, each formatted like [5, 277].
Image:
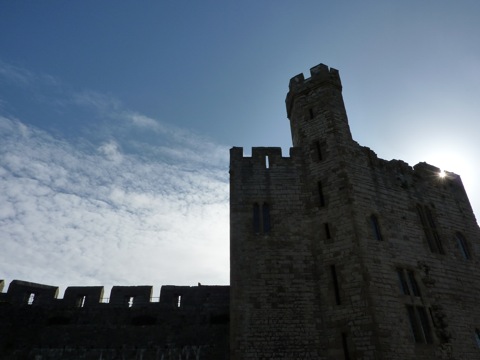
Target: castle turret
[315, 108]
[337, 254]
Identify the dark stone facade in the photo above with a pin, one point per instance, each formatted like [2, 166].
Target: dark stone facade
[186, 323]
[335, 254]
[361, 258]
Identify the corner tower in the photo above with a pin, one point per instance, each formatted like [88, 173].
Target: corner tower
[337, 254]
[315, 108]
[282, 291]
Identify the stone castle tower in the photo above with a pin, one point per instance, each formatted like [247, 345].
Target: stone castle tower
[337, 254]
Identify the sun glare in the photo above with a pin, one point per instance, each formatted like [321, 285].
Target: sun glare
[442, 174]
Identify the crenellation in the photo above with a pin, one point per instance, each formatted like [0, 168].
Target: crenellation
[335, 253]
[130, 296]
[320, 76]
[264, 157]
[83, 296]
[348, 273]
[28, 293]
[193, 297]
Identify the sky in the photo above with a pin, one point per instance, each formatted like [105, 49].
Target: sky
[116, 119]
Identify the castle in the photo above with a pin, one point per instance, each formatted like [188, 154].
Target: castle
[335, 254]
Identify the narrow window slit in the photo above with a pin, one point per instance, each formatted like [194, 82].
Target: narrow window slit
[403, 282]
[321, 199]
[413, 283]
[335, 284]
[426, 329]
[310, 113]
[477, 337]
[267, 162]
[318, 150]
[179, 301]
[81, 301]
[130, 301]
[31, 298]
[345, 346]
[430, 229]
[414, 326]
[376, 228]
[327, 231]
[462, 244]
[266, 218]
[256, 218]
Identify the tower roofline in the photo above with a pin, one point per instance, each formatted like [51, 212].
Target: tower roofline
[319, 75]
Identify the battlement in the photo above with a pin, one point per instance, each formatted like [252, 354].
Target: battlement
[320, 75]
[22, 293]
[264, 157]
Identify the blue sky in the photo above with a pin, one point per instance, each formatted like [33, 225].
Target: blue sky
[116, 119]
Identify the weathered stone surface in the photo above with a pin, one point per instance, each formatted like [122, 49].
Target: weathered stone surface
[323, 282]
[187, 323]
[335, 254]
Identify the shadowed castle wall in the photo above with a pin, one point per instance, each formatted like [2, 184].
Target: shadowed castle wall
[334, 254]
[186, 323]
[346, 227]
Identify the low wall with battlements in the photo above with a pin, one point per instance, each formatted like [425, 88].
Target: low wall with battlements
[188, 322]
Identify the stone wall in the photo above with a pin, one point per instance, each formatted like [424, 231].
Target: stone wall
[186, 323]
[365, 258]
[335, 254]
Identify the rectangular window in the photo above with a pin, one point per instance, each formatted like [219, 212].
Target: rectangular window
[414, 326]
[408, 283]
[430, 229]
[179, 301]
[413, 283]
[425, 325]
[335, 284]
[403, 282]
[417, 315]
[462, 244]
[267, 162]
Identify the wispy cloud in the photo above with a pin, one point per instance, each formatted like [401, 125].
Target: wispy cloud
[115, 208]
[102, 103]
[16, 74]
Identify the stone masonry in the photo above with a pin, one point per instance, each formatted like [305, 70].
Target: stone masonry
[183, 323]
[335, 254]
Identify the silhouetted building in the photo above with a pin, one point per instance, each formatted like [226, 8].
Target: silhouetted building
[335, 254]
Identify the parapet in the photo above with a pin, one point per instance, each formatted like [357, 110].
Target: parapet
[83, 296]
[426, 171]
[28, 293]
[319, 75]
[266, 157]
[22, 293]
[129, 296]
